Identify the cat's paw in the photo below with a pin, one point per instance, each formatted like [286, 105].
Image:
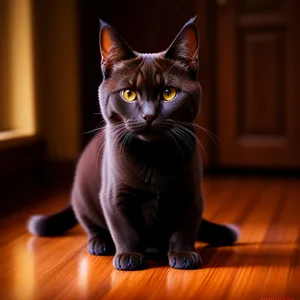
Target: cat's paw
[100, 246]
[185, 260]
[129, 261]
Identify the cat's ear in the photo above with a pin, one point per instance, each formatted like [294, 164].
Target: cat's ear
[112, 47]
[185, 46]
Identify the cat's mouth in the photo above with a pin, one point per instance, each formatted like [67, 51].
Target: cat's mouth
[149, 132]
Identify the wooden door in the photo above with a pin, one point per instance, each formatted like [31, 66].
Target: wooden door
[258, 82]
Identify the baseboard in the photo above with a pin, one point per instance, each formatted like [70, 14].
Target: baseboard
[24, 169]
[60, 172]
[21, 163]
[235, 171]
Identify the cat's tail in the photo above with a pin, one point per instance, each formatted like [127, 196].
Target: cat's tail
[52, 225]
[217, 234]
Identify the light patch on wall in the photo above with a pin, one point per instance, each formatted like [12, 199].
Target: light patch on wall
[57, 57]
[20, 65]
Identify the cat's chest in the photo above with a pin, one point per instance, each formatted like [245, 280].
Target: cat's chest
[152, 211]
[154, 171]
[159, 211]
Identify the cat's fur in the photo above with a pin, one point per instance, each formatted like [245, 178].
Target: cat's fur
[137, 183]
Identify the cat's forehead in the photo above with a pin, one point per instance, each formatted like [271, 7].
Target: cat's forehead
[148, 72]
[148, 69]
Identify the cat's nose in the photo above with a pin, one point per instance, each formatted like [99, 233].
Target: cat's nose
[149, 118]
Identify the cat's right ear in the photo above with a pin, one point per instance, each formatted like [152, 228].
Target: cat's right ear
[112, 47]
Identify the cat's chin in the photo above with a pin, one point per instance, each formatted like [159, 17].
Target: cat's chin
[149, 137]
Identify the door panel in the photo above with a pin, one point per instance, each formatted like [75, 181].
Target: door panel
[261, 84]
[249, 6]
[257, 80]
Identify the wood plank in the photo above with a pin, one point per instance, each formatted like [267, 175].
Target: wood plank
[264, 263]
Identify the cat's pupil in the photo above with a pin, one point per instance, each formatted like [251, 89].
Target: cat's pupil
[128, 93]
[168, 92]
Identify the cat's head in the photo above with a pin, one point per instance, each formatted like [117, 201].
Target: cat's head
[147, 94]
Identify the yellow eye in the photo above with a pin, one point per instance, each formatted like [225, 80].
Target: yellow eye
[129, 95]
[169, 93]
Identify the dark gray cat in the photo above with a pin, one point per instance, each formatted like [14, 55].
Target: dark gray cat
[137, 183]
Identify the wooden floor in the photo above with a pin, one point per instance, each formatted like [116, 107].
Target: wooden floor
[264, 263]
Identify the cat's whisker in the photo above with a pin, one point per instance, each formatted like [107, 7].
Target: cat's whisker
[99, 151]
[124, 140]
[178, 124]
[212, 136]
[121, 136]
[102, 123]
[118, 138]
[93, 130]
[187, 139]
[175, 138]
[194, 135]
[102, 127]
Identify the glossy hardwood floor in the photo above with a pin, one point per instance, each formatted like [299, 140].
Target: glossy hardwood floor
[264, 263]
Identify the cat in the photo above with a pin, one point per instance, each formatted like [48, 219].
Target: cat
[138, 182]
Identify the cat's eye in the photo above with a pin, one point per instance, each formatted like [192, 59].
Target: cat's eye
[129, 95]
[169, 93]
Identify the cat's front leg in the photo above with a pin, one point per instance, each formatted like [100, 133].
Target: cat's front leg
[182, 254]
[126, 238]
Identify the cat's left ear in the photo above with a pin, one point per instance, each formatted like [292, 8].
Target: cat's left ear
[112, 47]
[185, 46]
